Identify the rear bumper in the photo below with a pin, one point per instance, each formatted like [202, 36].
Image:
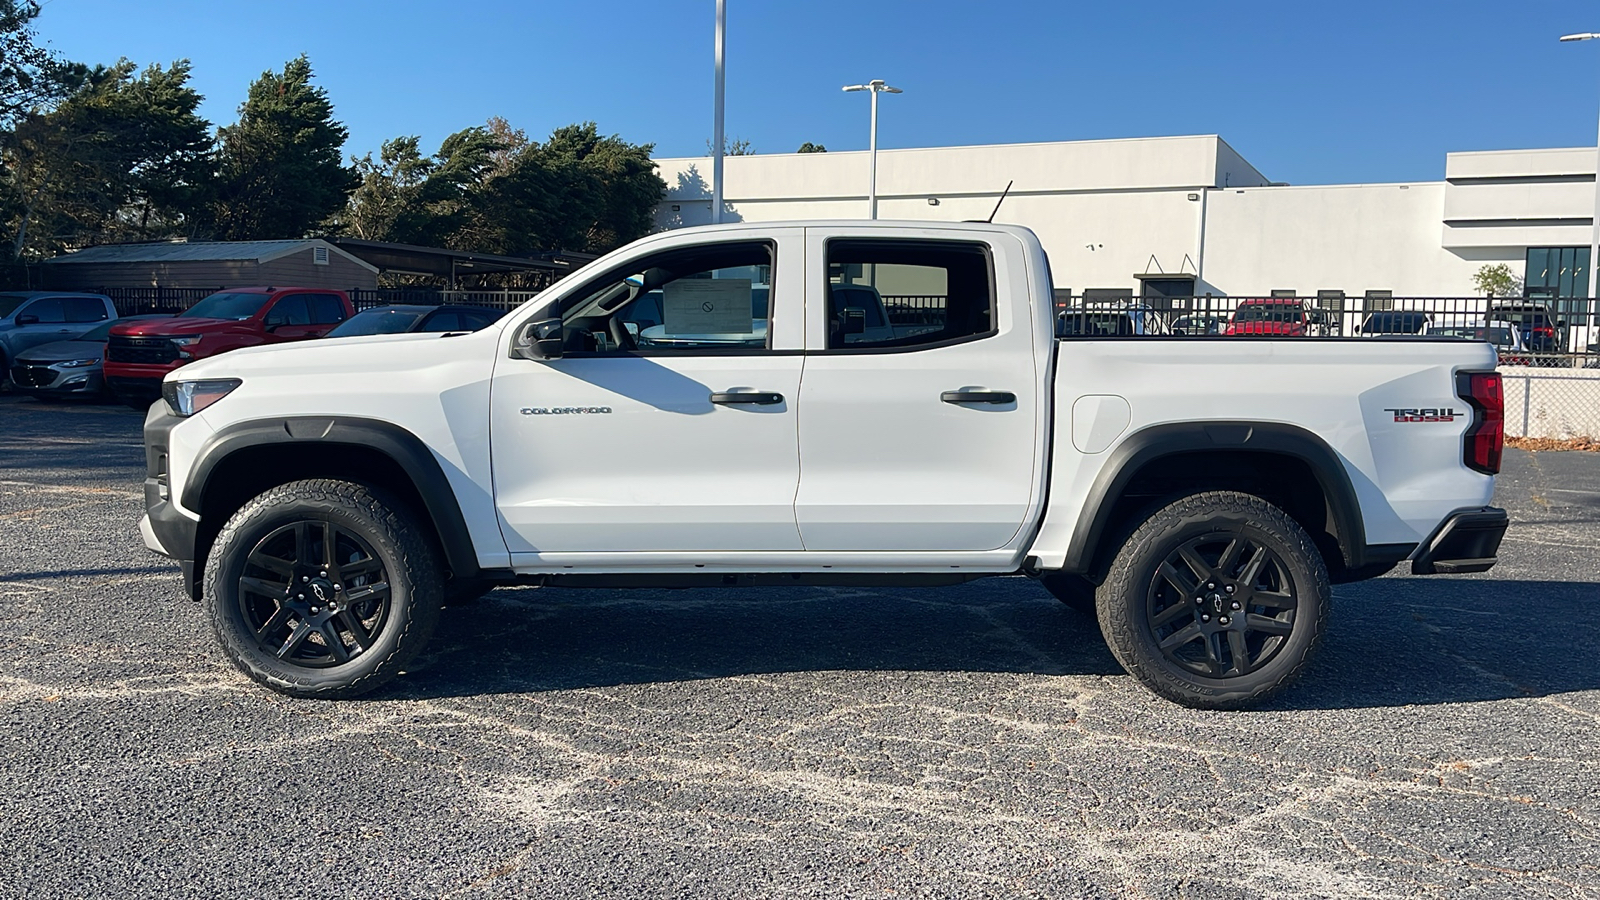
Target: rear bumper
[1466, 541]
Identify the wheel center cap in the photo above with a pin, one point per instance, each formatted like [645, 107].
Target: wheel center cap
[320, 590]
[1216, 600]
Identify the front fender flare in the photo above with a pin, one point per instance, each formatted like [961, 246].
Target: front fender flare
[407, 451]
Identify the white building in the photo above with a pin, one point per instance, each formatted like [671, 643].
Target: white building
[1180, 215]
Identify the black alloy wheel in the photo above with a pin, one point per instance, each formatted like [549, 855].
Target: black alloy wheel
[1221, 605]
[314, 594]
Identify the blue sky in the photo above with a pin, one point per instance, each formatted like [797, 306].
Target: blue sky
[1309, 92]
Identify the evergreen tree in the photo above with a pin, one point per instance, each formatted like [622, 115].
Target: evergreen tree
[280, 174]
[124, 157]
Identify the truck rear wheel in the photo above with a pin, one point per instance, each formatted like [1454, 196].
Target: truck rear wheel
[1216, 601]
[322, 588]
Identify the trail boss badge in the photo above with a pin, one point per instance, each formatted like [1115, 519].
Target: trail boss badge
[1424, 415]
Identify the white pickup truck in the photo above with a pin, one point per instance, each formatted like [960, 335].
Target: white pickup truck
[1197, 494]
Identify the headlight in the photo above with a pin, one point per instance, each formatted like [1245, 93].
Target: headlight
[189, 397]
[182, 342]
[79, 363]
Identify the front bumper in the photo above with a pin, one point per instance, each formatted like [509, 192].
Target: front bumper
[53, 379]
[166, 529]
[1466, 541]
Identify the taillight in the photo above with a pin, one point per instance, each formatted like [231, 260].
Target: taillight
[1481, 446]
[1544, 331]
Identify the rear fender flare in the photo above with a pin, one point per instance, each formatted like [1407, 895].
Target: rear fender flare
[1151, 444]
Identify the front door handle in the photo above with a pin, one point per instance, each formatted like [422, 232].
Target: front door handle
[978, 397]
[764, 398]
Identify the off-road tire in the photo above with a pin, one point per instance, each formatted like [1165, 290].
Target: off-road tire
[1125, 602]
[1076, 591]
[415, 590]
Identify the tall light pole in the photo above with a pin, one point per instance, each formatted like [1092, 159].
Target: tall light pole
[716, 120]
[876, 87]
[1594, 233]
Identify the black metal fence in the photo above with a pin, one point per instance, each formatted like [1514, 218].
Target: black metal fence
[1526, 331]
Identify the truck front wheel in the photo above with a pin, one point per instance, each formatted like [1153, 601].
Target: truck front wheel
[1216, 601]
[322, 588]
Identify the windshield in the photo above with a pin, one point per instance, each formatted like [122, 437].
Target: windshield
[377, 321]
[227, 305]
[1268, 313]
[10, 302]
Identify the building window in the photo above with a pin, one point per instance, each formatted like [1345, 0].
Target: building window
[1284, 292]
[1379, 300]
[1557, 272]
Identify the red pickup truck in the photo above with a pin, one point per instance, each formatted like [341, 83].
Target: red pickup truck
[140, 353]
[1276, 317]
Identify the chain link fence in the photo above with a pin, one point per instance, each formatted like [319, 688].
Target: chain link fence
[1560, 405]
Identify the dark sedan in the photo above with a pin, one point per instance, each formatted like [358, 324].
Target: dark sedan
[406, 319]
[67, 368]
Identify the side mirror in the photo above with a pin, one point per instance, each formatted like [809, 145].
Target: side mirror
[855, 320]
[27, 319]
[540, 339]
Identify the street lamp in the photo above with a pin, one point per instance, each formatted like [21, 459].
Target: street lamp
[716, 117]
[1594, 233]
[876, 87]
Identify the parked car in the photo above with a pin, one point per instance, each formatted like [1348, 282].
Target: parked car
[68, 368]
[1200, 499]
[1506, 338]
[1544, 332]
[1122, 320]
[31, 318]
[1197, 324]
[1395, 322]
[407, 319]
[1274, 318]
[140, 354]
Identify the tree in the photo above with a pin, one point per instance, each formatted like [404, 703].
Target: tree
[30, 76]
[388, 189]
[1496, 281]
[124, 157]
[809, 147]
[491, 190]
[733, 147]
[280, 173]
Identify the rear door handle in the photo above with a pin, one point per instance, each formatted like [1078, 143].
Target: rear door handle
[978, 397]
[764, 398]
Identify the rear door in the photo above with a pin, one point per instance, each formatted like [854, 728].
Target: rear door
[927, 439]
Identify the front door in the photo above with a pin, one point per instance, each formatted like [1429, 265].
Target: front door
[928, 438]
[669, 423]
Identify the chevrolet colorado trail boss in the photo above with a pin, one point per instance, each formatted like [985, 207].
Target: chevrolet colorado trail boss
[1198, 494]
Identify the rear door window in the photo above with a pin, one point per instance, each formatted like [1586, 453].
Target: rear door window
[326, 309]
[84, 309]
[907, 295]
[290, 310]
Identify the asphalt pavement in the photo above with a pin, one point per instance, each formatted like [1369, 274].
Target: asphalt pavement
[804, 742]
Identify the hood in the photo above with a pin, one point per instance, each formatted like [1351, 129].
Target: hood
[176, 325]
[61, 350]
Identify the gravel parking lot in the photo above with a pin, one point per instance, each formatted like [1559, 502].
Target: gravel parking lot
[968, 741]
